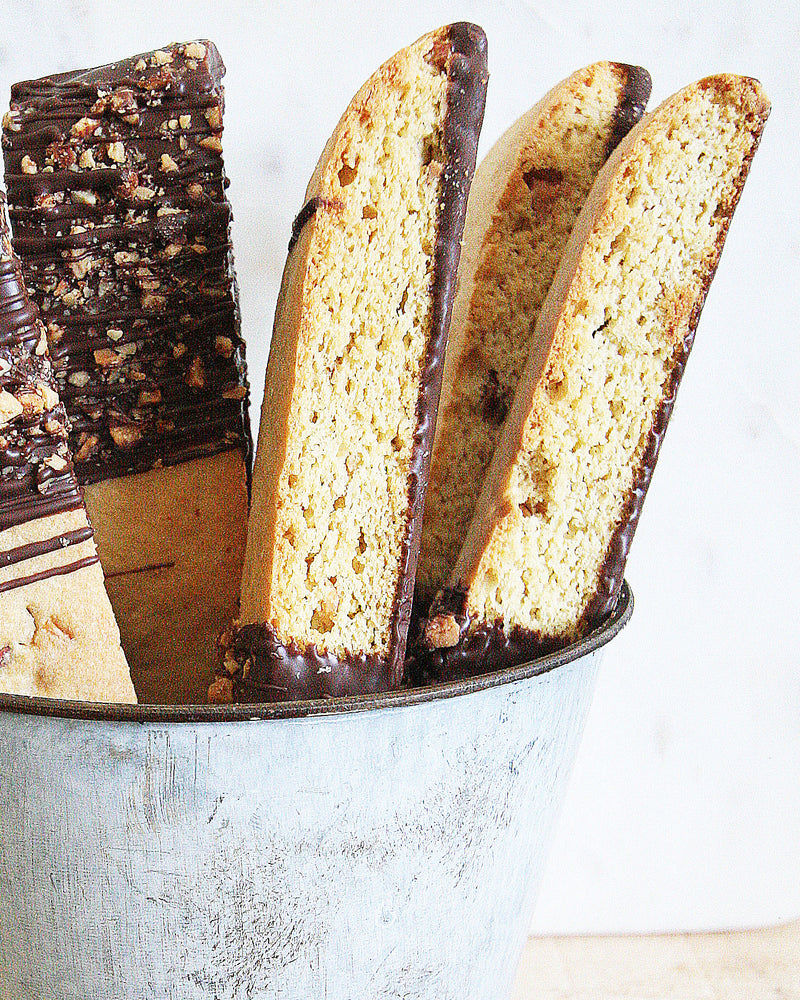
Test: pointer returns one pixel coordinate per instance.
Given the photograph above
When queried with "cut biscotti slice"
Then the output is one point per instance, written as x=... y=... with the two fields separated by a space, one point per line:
x=353 y=382
x=58 y=637
x=523 y=203
x=543 y=560
x=117 y=191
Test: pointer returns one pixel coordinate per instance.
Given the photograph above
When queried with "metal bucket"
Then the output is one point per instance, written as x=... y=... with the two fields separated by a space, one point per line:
x=380 y=847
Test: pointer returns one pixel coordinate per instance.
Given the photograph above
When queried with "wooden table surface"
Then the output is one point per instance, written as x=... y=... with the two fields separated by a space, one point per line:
x=760 y=964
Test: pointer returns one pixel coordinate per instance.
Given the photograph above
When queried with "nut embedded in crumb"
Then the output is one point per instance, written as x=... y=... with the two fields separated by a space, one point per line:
x=442 y=631
x=220 y=691
x=125 y=436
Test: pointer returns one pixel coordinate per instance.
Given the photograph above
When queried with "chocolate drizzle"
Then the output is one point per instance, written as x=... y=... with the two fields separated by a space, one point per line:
x=117 y=184
x=22 y=553
x=261 y=666
x=47 y=574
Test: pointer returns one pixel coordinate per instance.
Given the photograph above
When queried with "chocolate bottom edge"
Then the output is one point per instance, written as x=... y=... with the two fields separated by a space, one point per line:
x=258 y=667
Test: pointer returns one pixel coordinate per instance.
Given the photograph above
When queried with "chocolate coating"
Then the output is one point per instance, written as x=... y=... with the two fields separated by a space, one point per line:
x=269 y=670
x=117 y=183
x=632 y=104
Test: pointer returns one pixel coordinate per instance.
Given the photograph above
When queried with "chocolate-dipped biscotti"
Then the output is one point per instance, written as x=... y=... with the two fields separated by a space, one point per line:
x=543 y=560
x=353 y=383
x=58 y=637
x=523 y=203
x=118 y=207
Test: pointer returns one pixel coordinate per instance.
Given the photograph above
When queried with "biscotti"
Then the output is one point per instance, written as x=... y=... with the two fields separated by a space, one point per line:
x=523 y=203
x=58 y=637
x=543 y=560
x=353 y=382
x=119 y=213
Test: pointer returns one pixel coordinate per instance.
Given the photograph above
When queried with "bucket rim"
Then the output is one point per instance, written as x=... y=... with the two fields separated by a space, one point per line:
x=104 y=712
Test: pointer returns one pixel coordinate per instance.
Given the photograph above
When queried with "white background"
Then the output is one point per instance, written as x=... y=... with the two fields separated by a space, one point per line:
x=684 y=808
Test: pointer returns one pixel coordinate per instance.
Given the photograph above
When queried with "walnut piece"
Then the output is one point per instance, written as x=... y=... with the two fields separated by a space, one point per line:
x=442 y=631
x=10 y=407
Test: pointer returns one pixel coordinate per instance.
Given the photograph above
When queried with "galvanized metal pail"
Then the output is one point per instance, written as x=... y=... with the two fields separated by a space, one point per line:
x=381 y=847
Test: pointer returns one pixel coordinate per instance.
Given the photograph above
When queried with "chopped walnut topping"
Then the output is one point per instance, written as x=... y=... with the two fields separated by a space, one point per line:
x=86 y=160
x=10 y=407
x=56 y=462
x=79 y=379
x=152 y=301
x=195 y=50
x=131 y=119
x=123 y=102
x=142 y=193
x=114 y=334
x=149 y=397
x=10 y=123
x=106 y=358
x=80 y=268
x=195 y=191
x=125 y=435
x=223 y=346
x=129 y=184
x=49 y=395
x=185 y=121
x=159 y=80
x=45 y=200
x=126 y=257
x=83 y=197
x=84 y=127
x=234 y=392
x=195 y=374
x=211 y=142
x=116 y=152
x=213 y=117
x=54 y=332
x=40 y=399
x=172 y=250
x=28 y=166
x=41 y=346
x=161 y=58
x=140 y=66
x=61 y=154
x=168 y=165
x=88 y=445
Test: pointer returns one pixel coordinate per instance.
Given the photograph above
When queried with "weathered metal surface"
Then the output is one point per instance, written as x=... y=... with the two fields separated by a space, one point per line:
x=374 y=854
